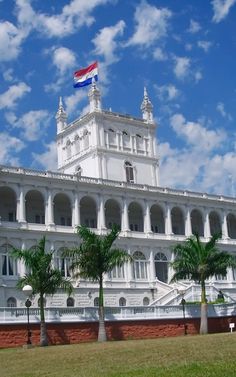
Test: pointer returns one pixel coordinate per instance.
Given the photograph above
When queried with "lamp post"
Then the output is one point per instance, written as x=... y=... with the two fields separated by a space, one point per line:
x=183 y=303
x=27 y=289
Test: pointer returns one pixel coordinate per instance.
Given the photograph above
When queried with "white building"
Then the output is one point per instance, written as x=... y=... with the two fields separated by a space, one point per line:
x=108 y=169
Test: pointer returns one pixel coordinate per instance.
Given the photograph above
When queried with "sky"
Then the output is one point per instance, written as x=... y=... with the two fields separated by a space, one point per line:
x=183 y=52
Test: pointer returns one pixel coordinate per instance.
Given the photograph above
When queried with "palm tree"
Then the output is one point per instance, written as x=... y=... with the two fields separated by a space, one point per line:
x=43 y=278
x=199 y=261
x=95 y=257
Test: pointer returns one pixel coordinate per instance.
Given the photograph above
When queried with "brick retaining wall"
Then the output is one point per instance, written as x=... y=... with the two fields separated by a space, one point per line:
x=13 y=335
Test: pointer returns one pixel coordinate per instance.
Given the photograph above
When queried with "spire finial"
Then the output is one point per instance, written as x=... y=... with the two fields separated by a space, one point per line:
x=147 y=107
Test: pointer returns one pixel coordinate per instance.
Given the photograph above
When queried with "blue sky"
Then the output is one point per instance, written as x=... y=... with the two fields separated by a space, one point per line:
x=184 y=52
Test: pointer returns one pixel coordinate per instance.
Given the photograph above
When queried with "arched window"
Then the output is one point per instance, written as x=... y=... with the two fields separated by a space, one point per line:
x=8 y=265
x=161 y=267
x=197 y=223
x=157 y=219
x=70 y=302
x=146 y=301
x=135 y=217
x=88 y=212
x=96 y=301
x=34 y=206
x=126 y=140
x=78 y=171
x=111 y=137
x=63 y=264
x=139 y=266
x=122 y=301
x=129 y=171
x=112 y=213
x=231 y=224
x=62 y=210
x=11 y=302
x=68 y=149
x=7 y=204
x=86 y=139
x=177 y=220
x=215 y=223
x=77 y=144
x=139 y=141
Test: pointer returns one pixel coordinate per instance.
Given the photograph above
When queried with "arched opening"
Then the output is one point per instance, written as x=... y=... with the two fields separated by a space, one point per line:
x=8 y=265
x=96 y=301
x=7 y=204
x=88 y=212
x=122 y=301
x=146 y=301
x=139 y=143
x=139 y=266
x=62 y=210
x=77 y=144
x=135 y=217
x=197 y=223
x=215 y=223
x=34 y=206
x=111 y=137
x=161 y=267
x=112 y=213
x=231 y=224
x=126 y=140
x=70 y=302
x=62 y=263
x=68 y=149
x=157 y=219
x=86 y=139
x=177 y=220
x=11 y=302
x=129 y=172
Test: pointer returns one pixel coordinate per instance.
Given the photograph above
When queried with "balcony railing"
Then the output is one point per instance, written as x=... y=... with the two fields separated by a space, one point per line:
x=88 y=314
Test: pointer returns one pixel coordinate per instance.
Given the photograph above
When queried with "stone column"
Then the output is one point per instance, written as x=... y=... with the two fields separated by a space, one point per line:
x=101 y=213
x=188 y=225
x=207 y=232
x=224 y=226
x=49 y=209
x=76 y=211
x=21 y=206
x=168 y=225
x=125 y=217
x=147 y=228
x=152 y=267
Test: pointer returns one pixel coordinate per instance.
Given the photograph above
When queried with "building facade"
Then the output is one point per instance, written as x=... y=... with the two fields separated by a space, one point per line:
x=108 y=173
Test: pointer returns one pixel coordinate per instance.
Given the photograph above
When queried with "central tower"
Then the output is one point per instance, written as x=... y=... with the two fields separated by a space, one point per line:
x=108 y=145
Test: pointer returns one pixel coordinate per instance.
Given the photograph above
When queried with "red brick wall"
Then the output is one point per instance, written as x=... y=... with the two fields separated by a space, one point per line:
x=67 y=333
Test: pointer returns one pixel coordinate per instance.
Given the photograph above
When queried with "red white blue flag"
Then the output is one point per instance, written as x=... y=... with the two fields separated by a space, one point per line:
x=84 y=76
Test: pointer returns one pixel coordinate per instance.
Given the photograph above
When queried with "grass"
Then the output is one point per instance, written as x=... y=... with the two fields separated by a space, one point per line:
x=191 y=356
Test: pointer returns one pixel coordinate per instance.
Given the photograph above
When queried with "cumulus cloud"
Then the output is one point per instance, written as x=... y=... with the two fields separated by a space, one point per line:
x=167 y=92
x=32 y=124
x=10 y=146
x=72 y=101
x=151 y=24
x=63 y=59
x=105 y=41
x=221 y=9
x=48 y=159
x=221 y=109
x=11 y=39
x=194 y=27
x=196 y=135
x=13 y=94
x=205 y=45
x=159 y=54
x=181 y=67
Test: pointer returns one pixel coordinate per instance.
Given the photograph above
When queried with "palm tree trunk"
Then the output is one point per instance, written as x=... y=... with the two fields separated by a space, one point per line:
x=102 y=336
x=43 y=329
x=204 y=321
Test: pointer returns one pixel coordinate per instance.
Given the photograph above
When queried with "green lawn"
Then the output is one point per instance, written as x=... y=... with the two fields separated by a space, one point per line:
x=190 y=356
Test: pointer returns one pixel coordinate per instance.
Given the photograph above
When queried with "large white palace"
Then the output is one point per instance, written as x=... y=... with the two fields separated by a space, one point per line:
x=108 y=172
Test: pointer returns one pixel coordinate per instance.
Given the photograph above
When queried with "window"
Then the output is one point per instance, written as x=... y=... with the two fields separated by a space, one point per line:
x=129 y=171
x=122 y=301
x=161 y=267
x=11 y=302
x=96 y=301
x=146 y=301
x=139 y=266
x=86 y=139
x=70 y=302
x=117 y=273
x=63 y=264
x=8 y=265
x=68 y=149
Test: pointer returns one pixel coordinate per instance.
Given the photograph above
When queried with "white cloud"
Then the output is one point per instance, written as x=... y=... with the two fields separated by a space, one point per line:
x=205 y=45
x=11 y=39
x=167 y=92
x=105 y=43
x=13 y=94
x=196 y=135
x=221 y=9
x=159 y=54
x=72 y=17
x=8 y=75
x=64 y=59
x=32 y=124
x=151 y=24
x=194 y=27
x=198 y=76
x=72 y=101
x=221 y=109
x=48 y=159
x=10 y=146
x=182 y=67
